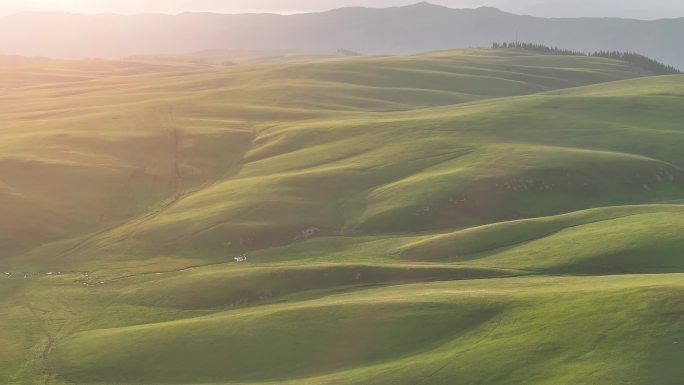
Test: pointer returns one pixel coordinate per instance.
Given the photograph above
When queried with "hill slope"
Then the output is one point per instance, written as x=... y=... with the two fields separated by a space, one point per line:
x=485 y=216
x=112 y=158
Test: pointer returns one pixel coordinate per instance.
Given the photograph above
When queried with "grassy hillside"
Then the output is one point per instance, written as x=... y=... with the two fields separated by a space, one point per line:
x=480 y=216
x=537 y=330
x=17 y=72
x=198 y=134
x=229 y=58
x=467 y=166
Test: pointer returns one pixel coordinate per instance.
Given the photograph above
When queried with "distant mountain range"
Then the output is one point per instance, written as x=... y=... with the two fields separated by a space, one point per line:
x=415 y=28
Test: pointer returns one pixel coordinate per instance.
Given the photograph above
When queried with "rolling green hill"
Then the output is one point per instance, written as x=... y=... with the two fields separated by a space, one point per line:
x=274 y=128
x=475 y=216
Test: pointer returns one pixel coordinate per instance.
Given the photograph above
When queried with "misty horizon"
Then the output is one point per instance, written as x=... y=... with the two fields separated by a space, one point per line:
x=661 y=9
x=397 y=30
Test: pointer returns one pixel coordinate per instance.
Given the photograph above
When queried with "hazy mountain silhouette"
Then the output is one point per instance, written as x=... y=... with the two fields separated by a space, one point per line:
x=415 y=28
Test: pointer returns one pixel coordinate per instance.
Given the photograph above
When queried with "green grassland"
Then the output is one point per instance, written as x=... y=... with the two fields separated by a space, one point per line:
x=455 y=217
x=228 y=58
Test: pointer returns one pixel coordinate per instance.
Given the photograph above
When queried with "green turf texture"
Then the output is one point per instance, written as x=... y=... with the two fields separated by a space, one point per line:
x=455 y=217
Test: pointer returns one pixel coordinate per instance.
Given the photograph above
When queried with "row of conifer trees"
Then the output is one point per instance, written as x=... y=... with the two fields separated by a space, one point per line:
x=629 y=57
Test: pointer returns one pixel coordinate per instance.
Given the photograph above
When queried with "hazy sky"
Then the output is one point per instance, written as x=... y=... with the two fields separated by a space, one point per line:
x=643 y=9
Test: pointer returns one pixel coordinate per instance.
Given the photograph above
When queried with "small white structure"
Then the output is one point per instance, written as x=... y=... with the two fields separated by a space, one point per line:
x=241 y=258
